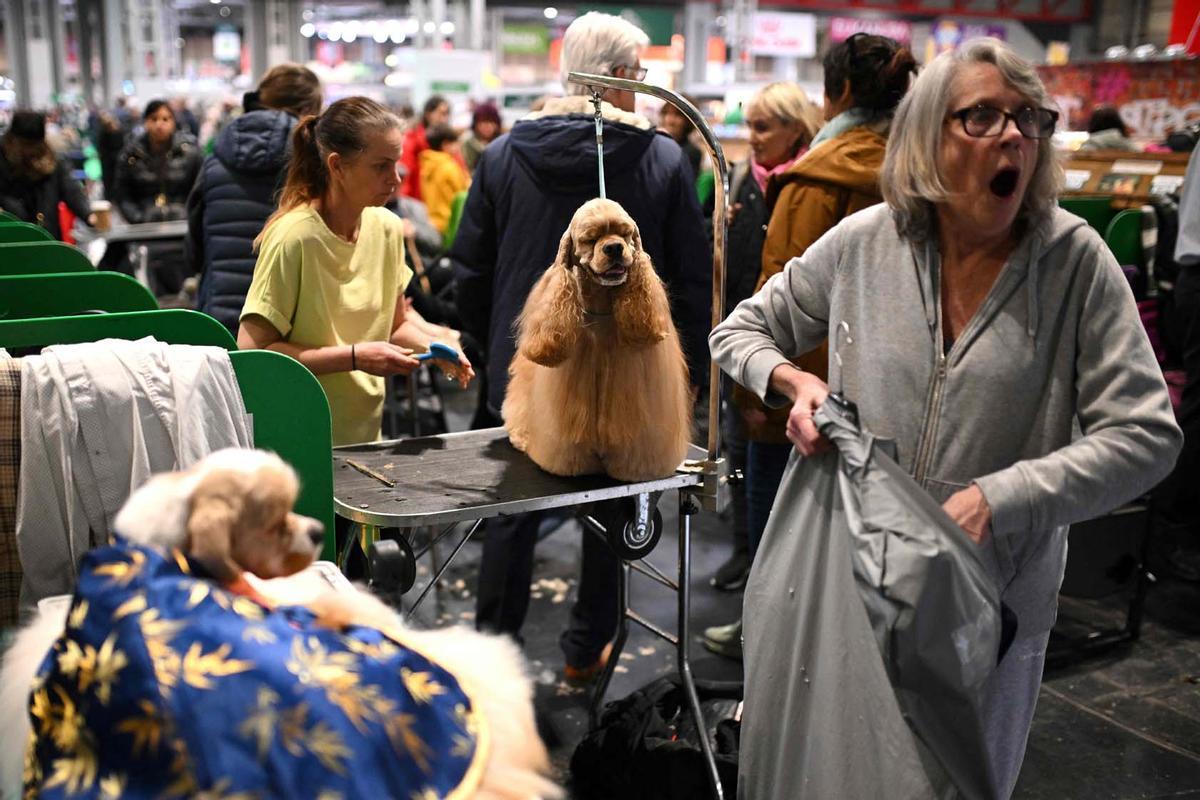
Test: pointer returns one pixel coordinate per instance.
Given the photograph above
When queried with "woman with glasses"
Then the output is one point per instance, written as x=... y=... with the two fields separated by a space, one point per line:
x=995 y=340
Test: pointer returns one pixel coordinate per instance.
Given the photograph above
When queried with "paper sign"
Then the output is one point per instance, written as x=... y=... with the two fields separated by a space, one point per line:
x=779 y=34
x=1131 y=167
x=1165 y=184
x=1076 y=179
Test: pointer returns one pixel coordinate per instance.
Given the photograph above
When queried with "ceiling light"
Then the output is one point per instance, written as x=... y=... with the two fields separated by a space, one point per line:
x=392 y=60
x=550 y=12
x=447 y=28
x=307 y=30
x=429 y=27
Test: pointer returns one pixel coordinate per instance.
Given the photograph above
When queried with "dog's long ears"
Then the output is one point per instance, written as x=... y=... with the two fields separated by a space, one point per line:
x=642 y=312
x=210 y=527
x=566 y=250
x=552 y=318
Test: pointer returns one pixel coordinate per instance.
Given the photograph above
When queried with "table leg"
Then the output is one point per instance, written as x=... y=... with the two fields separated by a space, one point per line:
x=687 y=507
x=617 y=646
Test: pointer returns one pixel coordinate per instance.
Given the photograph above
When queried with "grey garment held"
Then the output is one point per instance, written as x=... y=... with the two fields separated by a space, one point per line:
x=871 y=629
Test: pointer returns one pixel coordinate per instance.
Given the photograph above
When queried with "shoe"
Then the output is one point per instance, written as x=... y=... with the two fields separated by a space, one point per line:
x=725 y=640
x=582 y=676
x=731 y=576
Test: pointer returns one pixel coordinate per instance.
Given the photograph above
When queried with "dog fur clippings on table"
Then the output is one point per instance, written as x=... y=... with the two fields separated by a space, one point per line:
x=232 y=513
x=599 y=383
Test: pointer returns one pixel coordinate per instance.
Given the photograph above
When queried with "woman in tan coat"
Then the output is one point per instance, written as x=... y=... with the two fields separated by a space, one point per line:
x=865 y=77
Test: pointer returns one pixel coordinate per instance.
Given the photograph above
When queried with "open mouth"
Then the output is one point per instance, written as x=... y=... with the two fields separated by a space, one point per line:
x=613 y=276
x=1005 y=182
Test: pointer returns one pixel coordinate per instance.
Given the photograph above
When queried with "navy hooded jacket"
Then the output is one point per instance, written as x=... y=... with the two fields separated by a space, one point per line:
x=527 y=186
x=230 y=203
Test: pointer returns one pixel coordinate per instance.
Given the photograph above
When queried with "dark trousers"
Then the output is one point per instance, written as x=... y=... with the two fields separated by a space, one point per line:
x=765 y=464
x=506 y=572
x=1181 y=501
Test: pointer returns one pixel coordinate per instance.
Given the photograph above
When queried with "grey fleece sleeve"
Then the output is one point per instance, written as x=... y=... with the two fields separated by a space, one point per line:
x=1130 y=438
x=789 y=316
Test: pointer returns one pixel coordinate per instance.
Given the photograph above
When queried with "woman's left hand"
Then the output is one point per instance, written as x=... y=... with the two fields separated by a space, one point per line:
x=463 y=372
x=968 y=507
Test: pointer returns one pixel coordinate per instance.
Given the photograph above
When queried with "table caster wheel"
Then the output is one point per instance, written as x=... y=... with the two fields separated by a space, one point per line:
x=392 y=566
x=635 y=533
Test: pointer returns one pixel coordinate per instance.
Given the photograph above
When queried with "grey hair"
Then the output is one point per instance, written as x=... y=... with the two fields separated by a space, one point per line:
x=911 y=180
x=598 y=42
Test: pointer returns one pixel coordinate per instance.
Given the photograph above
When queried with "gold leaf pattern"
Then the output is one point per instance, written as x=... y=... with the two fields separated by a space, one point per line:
x=463 y=746
x=421 y=685
x=76 y=772
x=245 y=607
x=75 y=661
x=112 y=786
x=428 y=793
x=291 y=729
x=259 y=635
x=134 y=605
x=220 y=791
x=146 y=730
x=78 y=615
x=260 y=724
x=327 y=746
x=109 y=662
x=399 y=728
x=121 y=572
x=181 y=561
x=67 y=728
x=199 y=668
x=196 y=595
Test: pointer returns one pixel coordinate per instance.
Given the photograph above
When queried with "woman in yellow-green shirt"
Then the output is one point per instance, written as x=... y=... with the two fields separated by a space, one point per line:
x=328 y=286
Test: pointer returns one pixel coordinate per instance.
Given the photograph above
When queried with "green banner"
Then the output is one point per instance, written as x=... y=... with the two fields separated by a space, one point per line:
x=450 y=87
x=657 y=22
x=525 y=40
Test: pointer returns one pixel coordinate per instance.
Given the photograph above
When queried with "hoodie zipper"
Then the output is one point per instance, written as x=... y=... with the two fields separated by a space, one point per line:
x=925 y=443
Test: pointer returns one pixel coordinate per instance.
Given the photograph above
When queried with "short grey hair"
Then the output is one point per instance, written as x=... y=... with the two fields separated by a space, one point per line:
x=598 y=42
x=911 y=180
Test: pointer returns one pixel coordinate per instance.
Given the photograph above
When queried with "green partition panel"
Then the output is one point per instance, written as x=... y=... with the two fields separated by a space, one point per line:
x=1124 y=237
x=291 y=417
x=35 y=258
x=6 y=217
x=456 y=210
x=24 y=232
x=705 y=186
x=63 y=293
x=288 y=406
x=172 y=325
x=1096 y=211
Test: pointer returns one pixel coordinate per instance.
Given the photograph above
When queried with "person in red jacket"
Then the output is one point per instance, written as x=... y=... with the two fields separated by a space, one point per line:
x=435 y=112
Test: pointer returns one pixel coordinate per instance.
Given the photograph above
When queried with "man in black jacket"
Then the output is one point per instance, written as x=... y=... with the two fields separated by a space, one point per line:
x=526 y=187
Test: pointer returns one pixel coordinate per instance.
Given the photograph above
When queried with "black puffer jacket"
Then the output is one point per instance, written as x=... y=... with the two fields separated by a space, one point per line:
x=231 y=201
x=528 y=184
x=37 y=200
x=744 y=236
x=154 y=187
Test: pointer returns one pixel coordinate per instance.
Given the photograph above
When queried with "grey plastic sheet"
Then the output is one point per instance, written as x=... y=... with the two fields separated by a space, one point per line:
x=870 y=627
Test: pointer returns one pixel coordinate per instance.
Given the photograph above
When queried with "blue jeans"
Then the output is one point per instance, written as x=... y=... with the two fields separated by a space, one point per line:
x=765 y=464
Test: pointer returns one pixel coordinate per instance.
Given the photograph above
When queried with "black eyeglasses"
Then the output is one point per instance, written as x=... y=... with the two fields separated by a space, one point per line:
x=630 y=73
x=983 y=121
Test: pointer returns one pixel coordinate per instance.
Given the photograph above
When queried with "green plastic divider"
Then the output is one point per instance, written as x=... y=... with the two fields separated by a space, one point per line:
x=1096 y=211
x=24 y=232
x=1124 y=237
x=36 y=258
x=456 y=211
x=65 y=293
x=6 y=217
x=288 y=406
x=291 y=417
x=705 y=186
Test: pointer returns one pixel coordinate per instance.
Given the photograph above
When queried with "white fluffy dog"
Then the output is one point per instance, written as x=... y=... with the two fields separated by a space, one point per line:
x=233 y=513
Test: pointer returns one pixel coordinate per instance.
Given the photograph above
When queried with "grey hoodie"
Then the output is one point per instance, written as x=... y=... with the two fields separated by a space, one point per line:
x=1057 y=348
x=1050 y=400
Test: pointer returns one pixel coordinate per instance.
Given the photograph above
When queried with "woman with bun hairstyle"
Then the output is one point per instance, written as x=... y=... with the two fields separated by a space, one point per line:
x=865 y=78
x=328 y=286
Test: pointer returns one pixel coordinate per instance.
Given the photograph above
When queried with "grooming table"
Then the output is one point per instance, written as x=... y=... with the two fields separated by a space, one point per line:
x=457 y=477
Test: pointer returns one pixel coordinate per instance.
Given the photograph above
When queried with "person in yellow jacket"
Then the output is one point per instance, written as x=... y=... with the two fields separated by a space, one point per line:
x=442 y=174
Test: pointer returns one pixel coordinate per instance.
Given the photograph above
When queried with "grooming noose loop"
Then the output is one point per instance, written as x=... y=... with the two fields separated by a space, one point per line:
x=599 y=141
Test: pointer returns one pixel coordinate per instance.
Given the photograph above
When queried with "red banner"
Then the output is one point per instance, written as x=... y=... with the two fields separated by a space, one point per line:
x=1185 y=25
x=1154 y=98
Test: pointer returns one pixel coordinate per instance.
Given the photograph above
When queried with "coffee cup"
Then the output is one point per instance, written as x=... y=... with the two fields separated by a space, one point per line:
x=102 y=211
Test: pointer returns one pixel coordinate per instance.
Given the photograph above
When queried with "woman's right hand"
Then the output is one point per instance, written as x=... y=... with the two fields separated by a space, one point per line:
x=384 y=359
x=809 y=392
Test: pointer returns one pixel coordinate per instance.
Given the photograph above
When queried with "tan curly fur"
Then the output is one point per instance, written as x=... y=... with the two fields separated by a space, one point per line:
x=599 y=383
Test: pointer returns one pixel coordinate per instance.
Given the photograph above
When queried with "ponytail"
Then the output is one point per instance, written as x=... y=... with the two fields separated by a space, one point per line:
x=343 y=128
x=877 y=69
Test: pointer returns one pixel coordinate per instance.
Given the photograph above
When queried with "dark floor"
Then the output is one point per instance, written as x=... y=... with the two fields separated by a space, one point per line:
x=1122 y=725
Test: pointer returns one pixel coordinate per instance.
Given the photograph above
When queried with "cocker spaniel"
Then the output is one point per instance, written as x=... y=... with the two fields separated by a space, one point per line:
x=599 y=383
x=232 y=514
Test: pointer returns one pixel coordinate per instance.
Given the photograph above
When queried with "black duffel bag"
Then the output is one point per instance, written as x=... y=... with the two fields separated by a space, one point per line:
x=646 y=746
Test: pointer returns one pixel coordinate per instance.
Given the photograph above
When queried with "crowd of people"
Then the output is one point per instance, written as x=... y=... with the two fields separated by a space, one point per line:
x=995 y=337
